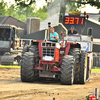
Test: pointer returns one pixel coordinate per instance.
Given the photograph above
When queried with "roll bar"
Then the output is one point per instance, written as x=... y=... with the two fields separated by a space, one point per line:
x=55 y=24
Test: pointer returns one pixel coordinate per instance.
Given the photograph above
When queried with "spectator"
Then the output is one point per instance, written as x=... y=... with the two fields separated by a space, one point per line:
x=72 y=31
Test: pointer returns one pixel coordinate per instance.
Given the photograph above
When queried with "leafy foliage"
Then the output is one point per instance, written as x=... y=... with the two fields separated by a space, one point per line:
x=25 y=3
x=79 y=2
x=72 y=6
x=3 y=11
x=22 y=12
x=91 y=2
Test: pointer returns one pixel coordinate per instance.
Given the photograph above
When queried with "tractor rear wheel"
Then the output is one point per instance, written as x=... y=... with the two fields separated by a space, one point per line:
x=83 y=67
x=67 y=70
x=27 y=72
x=88 y=71
x=76 y=53
x=25 y=49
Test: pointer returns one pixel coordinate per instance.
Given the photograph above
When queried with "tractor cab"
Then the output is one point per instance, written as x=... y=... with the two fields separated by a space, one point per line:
x=7 y=38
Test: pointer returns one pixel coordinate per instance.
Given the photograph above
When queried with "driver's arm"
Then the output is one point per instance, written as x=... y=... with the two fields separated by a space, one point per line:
x=56 y=37
x=76 y=34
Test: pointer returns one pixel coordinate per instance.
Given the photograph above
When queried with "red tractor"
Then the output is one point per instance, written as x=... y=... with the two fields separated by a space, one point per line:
x=47 y=58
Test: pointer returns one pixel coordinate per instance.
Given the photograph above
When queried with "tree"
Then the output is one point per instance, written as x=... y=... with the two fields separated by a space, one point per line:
x=80 y=2
x=77 y=4
x=25 y=3
x=3 y=10
x=22 y=12
x=41 y=13
x=28 y=8
x=91 y=2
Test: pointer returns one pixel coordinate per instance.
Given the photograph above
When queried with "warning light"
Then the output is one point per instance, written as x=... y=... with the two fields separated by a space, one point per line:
x=87 y=16
x=93 y=97
x=61 y=15
x=84 y=12
x=34 y=40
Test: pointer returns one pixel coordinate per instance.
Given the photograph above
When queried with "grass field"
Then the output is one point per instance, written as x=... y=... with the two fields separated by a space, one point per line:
x=93 y=69
x=9 y=66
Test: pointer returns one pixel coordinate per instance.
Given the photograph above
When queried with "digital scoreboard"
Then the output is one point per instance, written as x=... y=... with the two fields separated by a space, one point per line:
x=74 y=20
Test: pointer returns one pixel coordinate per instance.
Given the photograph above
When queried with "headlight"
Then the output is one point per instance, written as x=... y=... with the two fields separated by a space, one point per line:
x=58 y=45
x=50 y=58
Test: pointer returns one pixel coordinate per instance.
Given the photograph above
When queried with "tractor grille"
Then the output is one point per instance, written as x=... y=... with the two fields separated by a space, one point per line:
x=48 y=52
x=44 y=44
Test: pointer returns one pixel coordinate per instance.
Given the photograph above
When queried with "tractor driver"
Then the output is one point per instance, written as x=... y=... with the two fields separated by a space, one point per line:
x=72 y=31
x=53 y=35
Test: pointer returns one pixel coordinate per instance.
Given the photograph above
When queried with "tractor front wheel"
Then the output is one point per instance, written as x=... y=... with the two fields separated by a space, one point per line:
x=67 y=70
x=34 y=49
x=27 y=72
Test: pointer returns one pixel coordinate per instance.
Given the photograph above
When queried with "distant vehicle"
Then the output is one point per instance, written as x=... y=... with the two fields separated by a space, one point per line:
x=9 y=45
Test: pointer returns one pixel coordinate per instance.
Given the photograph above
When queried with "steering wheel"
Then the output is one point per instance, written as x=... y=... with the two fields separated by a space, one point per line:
x=54 y=40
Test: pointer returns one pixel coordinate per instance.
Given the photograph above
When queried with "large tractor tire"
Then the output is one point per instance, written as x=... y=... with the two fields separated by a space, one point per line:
x=67 y=70
x=25 y=49
x=76 y=53
x=27 y=72
x=18 y=59
x=83 y=67
x=34 y=49
x=88 y=72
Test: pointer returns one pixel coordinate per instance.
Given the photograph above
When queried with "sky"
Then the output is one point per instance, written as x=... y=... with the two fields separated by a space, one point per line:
x=88 y=8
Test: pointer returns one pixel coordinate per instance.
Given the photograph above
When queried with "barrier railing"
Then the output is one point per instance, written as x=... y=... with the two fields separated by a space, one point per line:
x=96 y=61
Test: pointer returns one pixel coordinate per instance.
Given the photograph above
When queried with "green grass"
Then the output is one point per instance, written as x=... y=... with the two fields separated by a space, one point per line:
x=95 y=70
x=9 y=66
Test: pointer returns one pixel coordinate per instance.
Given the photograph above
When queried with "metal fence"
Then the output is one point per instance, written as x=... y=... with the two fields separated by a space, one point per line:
x=96 y=61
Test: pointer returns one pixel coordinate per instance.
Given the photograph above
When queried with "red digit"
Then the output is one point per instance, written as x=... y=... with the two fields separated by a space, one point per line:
x=66 y=20
x=77 y=22
x=72 y=20
x=82 y=20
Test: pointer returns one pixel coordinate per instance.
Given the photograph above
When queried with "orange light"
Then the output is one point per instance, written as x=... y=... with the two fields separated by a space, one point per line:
x=20 y=47
x=84 y=12
x=75 y=43
x=34 y=40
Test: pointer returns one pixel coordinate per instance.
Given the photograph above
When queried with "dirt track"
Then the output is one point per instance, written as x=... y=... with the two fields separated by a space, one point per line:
x=11 y=88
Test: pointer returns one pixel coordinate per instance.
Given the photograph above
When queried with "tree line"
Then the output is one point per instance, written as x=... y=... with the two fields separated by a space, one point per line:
x=22 y=12
x=22 y=9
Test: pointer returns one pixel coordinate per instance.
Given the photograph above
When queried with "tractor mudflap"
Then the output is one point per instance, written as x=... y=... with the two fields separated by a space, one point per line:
x=8 y=59
x=46 y=74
